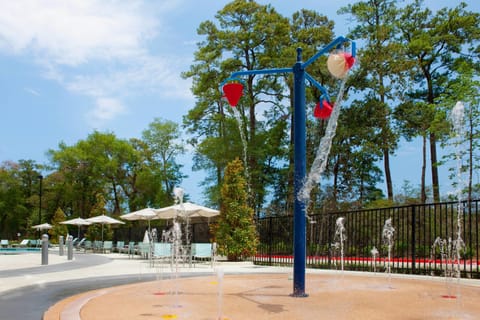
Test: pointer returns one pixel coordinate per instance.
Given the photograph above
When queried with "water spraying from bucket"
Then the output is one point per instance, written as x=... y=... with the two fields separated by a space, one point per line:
x=238 y=118
x=320 y=162
x=233 y=91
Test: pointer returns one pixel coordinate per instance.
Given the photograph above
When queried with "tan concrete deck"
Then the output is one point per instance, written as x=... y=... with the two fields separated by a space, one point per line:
x=247 y=292
x=266 y=296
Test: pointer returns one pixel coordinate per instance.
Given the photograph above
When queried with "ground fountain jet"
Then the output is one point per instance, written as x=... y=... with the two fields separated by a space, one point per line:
x=340 y=235
x=387 y=235
x=451 y=249
x=447 y=250
x=174 y=236
x=339 y=67
x=458 y=121
x=374 y=253
x=178 y=194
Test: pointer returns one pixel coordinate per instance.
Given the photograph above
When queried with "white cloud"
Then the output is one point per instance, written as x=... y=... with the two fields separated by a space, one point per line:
x=74 y=32
x=96 y=48
x=105 y=110
x=146 y=74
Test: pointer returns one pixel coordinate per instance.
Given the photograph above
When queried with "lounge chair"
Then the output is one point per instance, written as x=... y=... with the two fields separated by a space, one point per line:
x=87 y=245
x=97 y=246
x=144 y=250
x=4 y=243
x=24 y=243
x=162 y=251
x=107 y=246
x=74 y=241
x=202 y=251
x=119 y=246
x=80 y=243
x=129 y=249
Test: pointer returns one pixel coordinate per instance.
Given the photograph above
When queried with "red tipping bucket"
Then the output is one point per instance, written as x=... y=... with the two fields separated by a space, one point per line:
x=323 y=111
x=233 y=92
x=349 y=60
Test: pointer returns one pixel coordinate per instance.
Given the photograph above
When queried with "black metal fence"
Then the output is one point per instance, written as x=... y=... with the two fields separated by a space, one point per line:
x=425 y=240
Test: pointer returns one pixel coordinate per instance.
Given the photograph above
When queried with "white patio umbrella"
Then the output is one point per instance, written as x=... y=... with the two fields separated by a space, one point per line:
x=186 y=210
x=77 y=222
x=103 y=219
x=143 y=214
x=43 y=226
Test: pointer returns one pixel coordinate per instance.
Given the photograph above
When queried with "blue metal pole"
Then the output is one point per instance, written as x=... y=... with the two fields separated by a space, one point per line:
x=300 y=168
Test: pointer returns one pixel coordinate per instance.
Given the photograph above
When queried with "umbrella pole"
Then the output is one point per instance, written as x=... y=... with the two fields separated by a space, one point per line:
x=187 y=232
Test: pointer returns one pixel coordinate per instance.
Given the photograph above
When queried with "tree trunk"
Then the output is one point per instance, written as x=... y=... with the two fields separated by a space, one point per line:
x=470 y=157
x=433 y=161
x=388 y=174
x=423 y=193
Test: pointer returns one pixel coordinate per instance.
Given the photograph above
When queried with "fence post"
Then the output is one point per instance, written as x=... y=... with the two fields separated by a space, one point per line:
x=270 y=240
x=413 y=239
x=330 y=240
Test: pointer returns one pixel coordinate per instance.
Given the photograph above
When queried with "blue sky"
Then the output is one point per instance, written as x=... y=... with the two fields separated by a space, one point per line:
x=69 y=67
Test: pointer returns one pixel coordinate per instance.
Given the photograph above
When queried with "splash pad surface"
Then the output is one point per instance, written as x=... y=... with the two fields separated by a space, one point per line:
x=266 y=296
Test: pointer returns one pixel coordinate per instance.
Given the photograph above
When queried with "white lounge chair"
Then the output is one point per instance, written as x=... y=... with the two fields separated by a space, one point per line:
x=24 y=243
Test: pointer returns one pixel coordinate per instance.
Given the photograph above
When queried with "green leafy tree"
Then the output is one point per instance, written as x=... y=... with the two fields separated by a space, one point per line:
x=248 y=36
x=140 y=181
x=163 y=139
x=380 y=60
x=20 y=198
x=464 y=88
x=13 y=202
x=57 y=228
x=416 y=119
x=309 y=30
x=235 y=231
x=353 y=159
x=129 y=173
x=433 y=43
x=97 y=231
x=79 y=176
